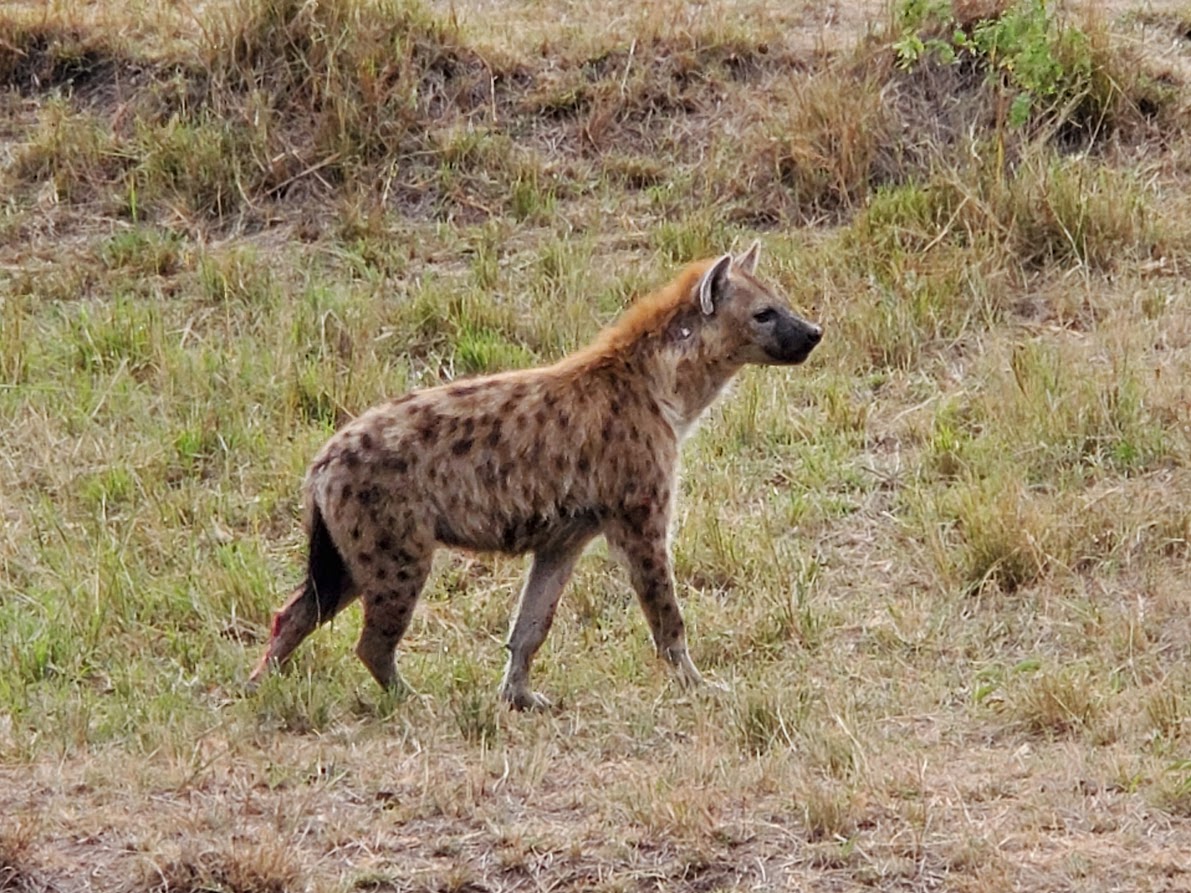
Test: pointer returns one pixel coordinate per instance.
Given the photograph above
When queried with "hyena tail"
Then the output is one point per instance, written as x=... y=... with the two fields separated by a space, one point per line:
x=327 y=588
x=328 y=581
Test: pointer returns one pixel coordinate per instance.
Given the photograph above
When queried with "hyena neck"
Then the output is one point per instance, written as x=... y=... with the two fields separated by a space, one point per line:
x=684 y=388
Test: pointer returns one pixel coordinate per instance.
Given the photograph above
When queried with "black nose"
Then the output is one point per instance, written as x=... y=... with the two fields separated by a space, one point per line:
x=814 y=334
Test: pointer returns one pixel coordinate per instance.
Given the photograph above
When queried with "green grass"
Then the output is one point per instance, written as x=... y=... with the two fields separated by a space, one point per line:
x=940 y=570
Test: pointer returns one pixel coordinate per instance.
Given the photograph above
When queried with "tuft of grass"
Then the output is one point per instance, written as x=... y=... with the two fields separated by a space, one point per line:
x=16 y=871
x=833 y=145
x=1173 y=790
x=144 y=251
x=251 y=868
x=1004 y=534
x=370 y=71
x=761 y=724
x=829 y=809
x=1057 y=702
x=475 y=707
x=72 y=155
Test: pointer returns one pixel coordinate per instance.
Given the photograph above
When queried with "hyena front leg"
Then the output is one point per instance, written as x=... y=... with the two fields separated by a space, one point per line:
x=647 y=556
x=535 y=613
x=389 y=599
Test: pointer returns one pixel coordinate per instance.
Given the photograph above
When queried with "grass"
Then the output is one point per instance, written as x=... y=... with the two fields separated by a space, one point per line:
x=939 y=570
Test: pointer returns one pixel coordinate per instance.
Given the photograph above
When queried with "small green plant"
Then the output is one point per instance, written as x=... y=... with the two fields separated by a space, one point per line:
x=912 y=41
x=1039 y=58
x=143 y=250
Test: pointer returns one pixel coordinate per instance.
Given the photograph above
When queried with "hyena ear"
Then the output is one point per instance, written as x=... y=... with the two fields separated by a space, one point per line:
x=713 y=284
x=748 y=260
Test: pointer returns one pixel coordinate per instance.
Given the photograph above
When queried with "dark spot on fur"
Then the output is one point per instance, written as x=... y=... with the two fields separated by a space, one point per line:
x=396 y=464
x=403 y=557
x=385 y=543
x=464 y=390
x=636 y=516
x=648 y=565
x=584 y=464
x=493 y=437
x=380 y=573
x=540 y=416
x=550 y=399
x=444 y=534
x=519 y=391
x=346 y=492
x=462 y=447
x=365 y=558
x=560 y=463
x=608 y=430
x=356 y=532
x=351 y=458
x=427 y=426
x=509 y=537
x=615 y=405
x=365 y=440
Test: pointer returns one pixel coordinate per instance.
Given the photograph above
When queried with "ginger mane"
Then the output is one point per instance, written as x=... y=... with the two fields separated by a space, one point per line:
x=646 y=316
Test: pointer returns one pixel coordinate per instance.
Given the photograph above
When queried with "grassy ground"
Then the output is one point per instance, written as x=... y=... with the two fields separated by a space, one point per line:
x=942 y=569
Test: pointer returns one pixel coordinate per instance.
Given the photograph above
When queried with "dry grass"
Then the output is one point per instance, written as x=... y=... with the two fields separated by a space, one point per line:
x=941 y=570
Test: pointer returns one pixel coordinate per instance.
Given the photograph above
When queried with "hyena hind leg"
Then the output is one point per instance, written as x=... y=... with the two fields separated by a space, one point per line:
x=388 y=610
x=292 y=623
x=327 y=589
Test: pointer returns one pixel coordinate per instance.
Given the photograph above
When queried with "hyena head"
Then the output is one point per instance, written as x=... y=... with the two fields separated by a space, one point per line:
x=745 y=321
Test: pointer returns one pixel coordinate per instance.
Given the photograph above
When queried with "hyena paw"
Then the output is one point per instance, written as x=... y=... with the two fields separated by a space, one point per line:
x=684 y=668
x=524 y=699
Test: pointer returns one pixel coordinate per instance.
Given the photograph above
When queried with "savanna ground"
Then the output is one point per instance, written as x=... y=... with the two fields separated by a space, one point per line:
x=942 y=569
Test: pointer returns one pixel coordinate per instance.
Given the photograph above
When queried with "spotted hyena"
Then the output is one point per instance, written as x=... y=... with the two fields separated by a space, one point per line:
x=538 y=460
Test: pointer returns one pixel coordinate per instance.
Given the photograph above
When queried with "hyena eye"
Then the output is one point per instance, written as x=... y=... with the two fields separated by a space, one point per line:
x=766 y=315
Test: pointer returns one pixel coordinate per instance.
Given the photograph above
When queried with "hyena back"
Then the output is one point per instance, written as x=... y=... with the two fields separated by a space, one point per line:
x=540 y=460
